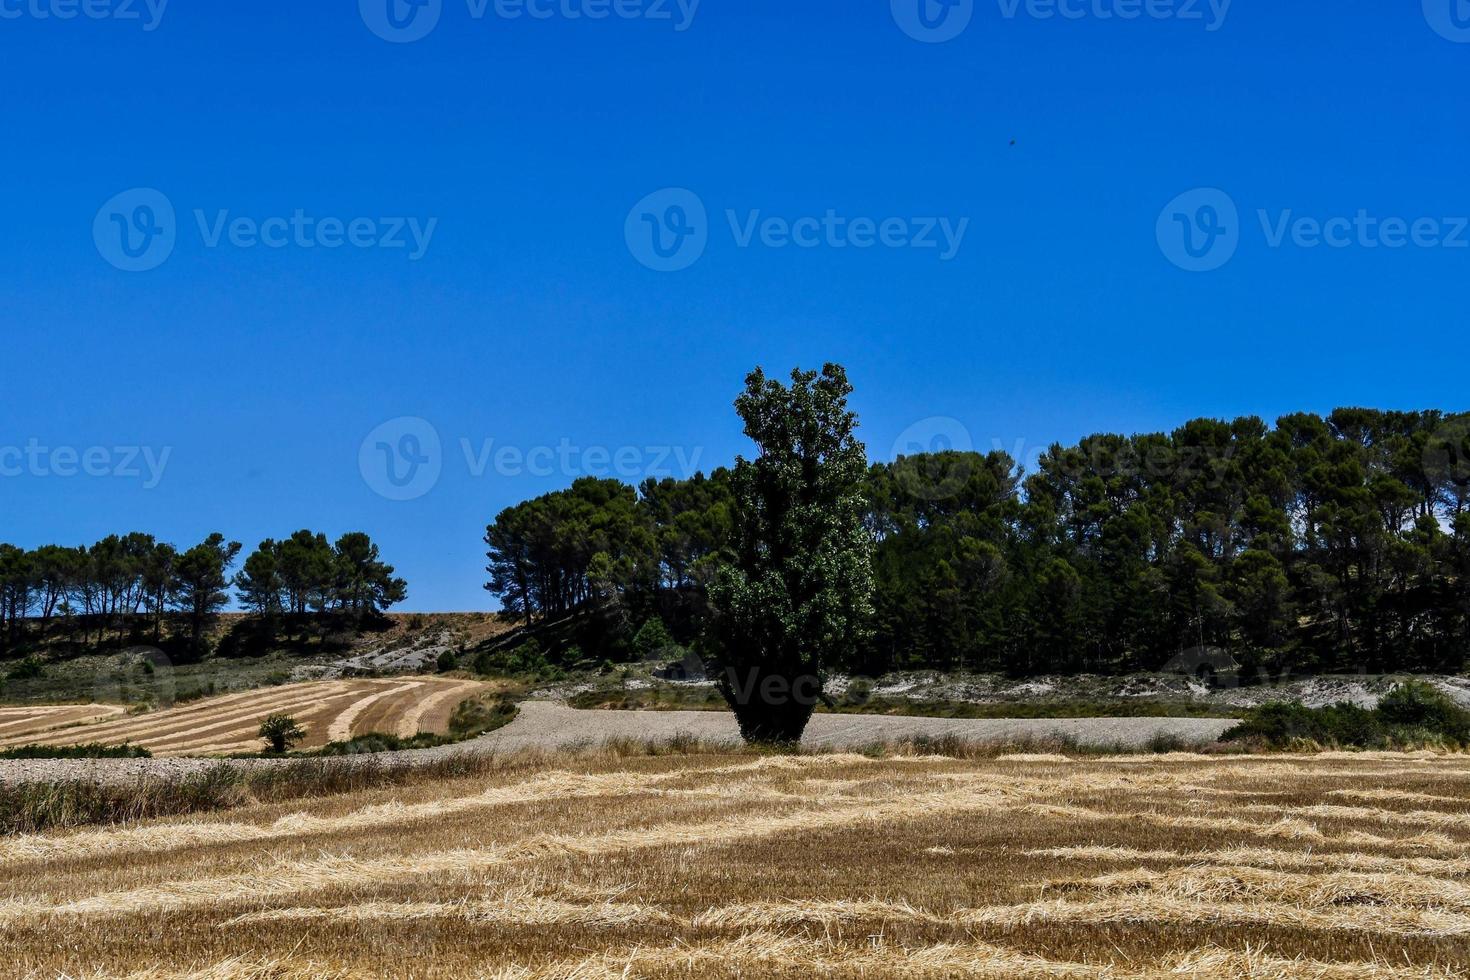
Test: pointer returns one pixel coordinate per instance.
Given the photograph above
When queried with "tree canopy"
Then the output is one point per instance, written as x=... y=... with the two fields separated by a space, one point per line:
x=1336 y=543
x=124 y=578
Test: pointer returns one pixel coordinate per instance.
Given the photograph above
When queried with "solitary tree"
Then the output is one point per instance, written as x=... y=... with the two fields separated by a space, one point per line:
x=280 y=732
x=795 y=595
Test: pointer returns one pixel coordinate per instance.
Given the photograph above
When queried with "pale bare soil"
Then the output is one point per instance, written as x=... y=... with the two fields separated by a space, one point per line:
x=1334 y=866
x=544 y=726
x=328 y=711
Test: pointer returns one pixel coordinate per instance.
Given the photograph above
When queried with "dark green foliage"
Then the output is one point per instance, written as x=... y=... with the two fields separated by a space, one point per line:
x=121 y=592
x=375 y=742
x=304 y=573
x=447 y=661
x=525 y=660
x=1412 y=714
x=793 y=597
x=77 y=752
x=654 y=641
x=280 y=732
x=28 y=669
x=1415 y=704
x=1282 y=723
x=201 y=577
x=1322 y=545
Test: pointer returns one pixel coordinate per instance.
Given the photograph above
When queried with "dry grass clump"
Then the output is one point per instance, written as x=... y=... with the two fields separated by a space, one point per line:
x=628 y=863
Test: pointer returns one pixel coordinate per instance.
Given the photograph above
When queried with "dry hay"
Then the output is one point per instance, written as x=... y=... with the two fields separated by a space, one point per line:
x=729 y=866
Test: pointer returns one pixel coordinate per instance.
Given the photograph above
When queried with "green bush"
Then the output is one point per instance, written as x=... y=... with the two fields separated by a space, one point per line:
x=653 y=641
x=447 y=662
x=281 y=732
x=29 y=669
x=526 y=659
x=375 y=742
x=1415 y=704
x=1412 y=714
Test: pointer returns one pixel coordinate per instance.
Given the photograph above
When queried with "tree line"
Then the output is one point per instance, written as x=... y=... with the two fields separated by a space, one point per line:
x=1317 y=544
x=133 y=581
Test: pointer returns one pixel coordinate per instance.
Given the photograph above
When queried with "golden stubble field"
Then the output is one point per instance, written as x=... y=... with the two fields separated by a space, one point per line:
x=742 y=866
x=328 y=711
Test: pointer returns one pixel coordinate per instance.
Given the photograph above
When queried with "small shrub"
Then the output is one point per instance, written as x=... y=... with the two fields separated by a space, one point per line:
x=447 y=662
x=29 y=669
x=653 y=640
x=415 y=622
x=1416 y=704
x=280 y=733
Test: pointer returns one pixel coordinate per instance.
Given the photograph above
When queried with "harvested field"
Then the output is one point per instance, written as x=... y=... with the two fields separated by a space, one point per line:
x=327 y=710
x=738 y=865
x=31 y=721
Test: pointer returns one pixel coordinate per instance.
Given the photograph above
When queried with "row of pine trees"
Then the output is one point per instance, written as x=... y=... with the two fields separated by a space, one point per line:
x=1319 y=544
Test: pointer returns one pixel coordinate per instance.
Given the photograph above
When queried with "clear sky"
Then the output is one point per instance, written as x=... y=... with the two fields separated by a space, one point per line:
x=172 y=374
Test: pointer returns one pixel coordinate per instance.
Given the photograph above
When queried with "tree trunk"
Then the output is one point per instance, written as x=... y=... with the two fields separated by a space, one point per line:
x=771 y=705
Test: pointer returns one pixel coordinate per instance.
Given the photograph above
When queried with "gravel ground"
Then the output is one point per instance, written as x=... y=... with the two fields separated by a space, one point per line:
x=544 y=725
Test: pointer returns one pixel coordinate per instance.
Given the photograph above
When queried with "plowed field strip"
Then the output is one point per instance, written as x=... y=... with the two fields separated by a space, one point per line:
x=200 y=713
x=49 y=720
x=379 y=704
x=163 y=729
x=244 y=726
x=433 y=713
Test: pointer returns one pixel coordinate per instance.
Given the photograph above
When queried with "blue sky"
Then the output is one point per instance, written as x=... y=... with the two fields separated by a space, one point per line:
x=263 y=380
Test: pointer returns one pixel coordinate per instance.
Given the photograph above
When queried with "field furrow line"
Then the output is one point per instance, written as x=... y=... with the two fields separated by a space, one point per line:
x=341 y=729
x=410 y=724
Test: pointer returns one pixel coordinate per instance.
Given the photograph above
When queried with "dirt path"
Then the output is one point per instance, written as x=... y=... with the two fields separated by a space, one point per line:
x=543 y=725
